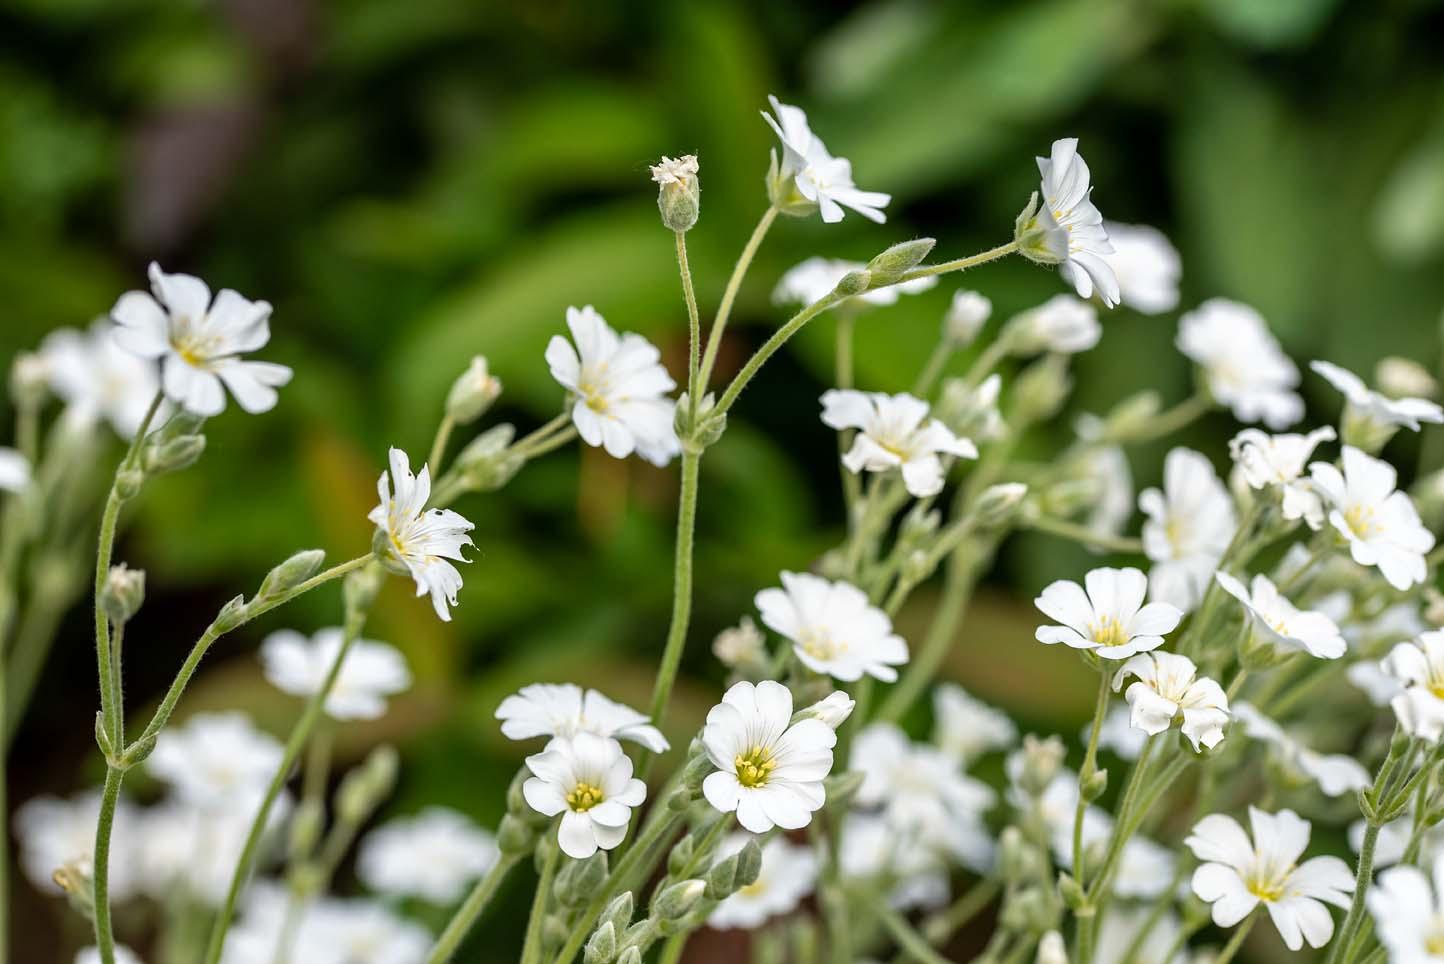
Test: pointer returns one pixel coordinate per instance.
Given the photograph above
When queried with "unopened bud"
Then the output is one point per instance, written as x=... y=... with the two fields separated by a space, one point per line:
x=602 y=946
x=998 y=503
x=515 y=836
x=631 y=955
x=832 y=710
x=972 y=412
x=29 y=380
x=359 y=589
x=472 y=393
x=722 y=879
x=1071 y=892
x=678 y=191
x=741 y=647
x=619 y=912
x=889 y=267
x=555 y=931
x=698 y=768
x=697 y=432
x=291 y=573
x=128 y=482
x=1063 y=324
x=967 y=314
x=364 y=788
x=1131 y=416
x=232 y=614
x=487 y=462
x=1041 y=762
x=681 y=855
x=853 y=283
x=674 y=902
x=749 y=863
x=123 y=593
x=1031 y=910
x=1093 y=785
x=1404 y=378
x=173 y=455
x=1041 y=389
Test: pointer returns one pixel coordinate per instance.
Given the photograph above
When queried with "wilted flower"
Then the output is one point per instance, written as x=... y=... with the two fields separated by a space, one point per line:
x=433 y=855
x=1190 y=523
x=418 y=538
x=820 y=178
x=788 y=874
x=1378 y=521
x=894 y=432
x=588 y=780
x=372 y=671
x=97 y=378
x=1146 y=265
x=1110 y=618
x=834 y=629
x=200 y=342
x=620 y=386
x=1243 y=366
x=1168 y=689
x=563 y=709
x=814 y=279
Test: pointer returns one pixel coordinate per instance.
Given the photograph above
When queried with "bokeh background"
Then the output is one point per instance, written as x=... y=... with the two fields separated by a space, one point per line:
x=413 y=183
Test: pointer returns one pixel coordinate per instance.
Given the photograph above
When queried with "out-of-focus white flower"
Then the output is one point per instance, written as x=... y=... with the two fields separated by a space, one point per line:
x=1119 y=927
x=1146 y=265
x=325 y=931
x=1063 y=324
x=123 y=955
x=1335 y=773
x=915 y=869
x=1394 y=838
x=1238 y=874
x=894 y=432
x=564 y=709
x=185 y=850
x=213 y=758
x=1409 y=913
x=1370 y=677
x=820 y=178
x=200 y=342
x=1051 y=949
x=920 y=789
x=1418 y=666
x=14 y=471
x=55 y=833
x=788 y=874
x=965 y=728
x=769 y=770
x=588 y=780
x=1378 y=521
x=620 y=386
x=1402 y=620
x=1072 y=224
x=1278 y=461
x=834 y=629
x=433 y=855
x=1145 y=868
x=1110 y=618
x=419 y=538
x=1168 y=687
x=1190 y=524
x=814 y=279
x=97 y=378
x=967 y=313
x=372 y=671
x=1117 y=733
x=1281 y=623
x=740 y=645
x=1107 y=467
x=1374 y=406
x=1401 y=377
x=1243 y=365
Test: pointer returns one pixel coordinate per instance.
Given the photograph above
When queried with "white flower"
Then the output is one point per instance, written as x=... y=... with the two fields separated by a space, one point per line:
x=1063 y=324
x=1394 y=838
x=894 y=432
x=620 y=385
x=192 y=851
x=1278 y=461
x=1409 y=913
x=419 y=538
x=200 y=342
x=967 y=313
x=788 y=874
x=1051 y=949
x=1243 y=365
x=1146 y=265
x=14 y=471
x=740 y=645
x=1283 y=624
x=1110 y=618
x=820 y=178
x=563 y=709
x=123 y=955
x=588 y=779
x=834 y=629
x=1082 y=243
x=921 y=790
x=1379 y=522
x=677 y=170
x=1120 y=925
x=916 y=869
x=433 y=855
x=814 y=279
x=214 y=757
x=1117 y=733
x=1106 y=466
x=326 y=931
x=372 y=671
x=1238 y=874
x=1335 y=773
x=1168 y=687
x=55 y=833
x=98 y=378
x=770 y=770
x=1190 y=524
x=1378 y=408
x=1370 y=678
x=1419 y=669
x=964 y=727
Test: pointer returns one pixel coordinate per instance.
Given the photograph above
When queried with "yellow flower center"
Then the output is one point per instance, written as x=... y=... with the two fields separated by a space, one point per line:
x=819 y=644
x=1434 y=941
x=1109 y=632
x=1360 y=520
x=1267 y=883
x=583 y=797
x=754 y=767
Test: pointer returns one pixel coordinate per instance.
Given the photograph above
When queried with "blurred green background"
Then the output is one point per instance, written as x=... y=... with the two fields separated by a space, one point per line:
x=413 y=183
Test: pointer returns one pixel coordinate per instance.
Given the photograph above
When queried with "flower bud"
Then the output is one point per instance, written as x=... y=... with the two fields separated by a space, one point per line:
x=1031 y=909
x=515 y=836
x=29 y=380
x=698 y=769
x=305 y=830
x=1051 y=949
x=359 y=589
x=472 y=393
x=741 y=647
x=832 y=710
x=998 y=503
x=674 y=902
x=128 y=482
x=232 y=614
x=123 y=593
x=749 y=863
x=1038 y=235
x=681 y=855
x=1133 y=415
x=722 y=879
x=1041 y=389
x=1018 y=860
x=619 y=912
x=102 y=738
x=699 y=432
x=631 y=955
x=172 y=455
x=1093 y=785
x=889 y=267
x=591 y=874
x=487 y=462
x=972 y=412
x=602 y=946
x=1041 y=762
x=138 y=751
x=678 y=191
x=853 y=283
x=1062 y=324
x=364 y=788
x=291 y=573
x=1404 y=378
x=966 y=316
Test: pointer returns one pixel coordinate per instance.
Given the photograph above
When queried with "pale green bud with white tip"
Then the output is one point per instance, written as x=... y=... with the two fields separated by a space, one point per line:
x=472 y=393
x=123 y=593
x=678 y=191
x=602 y=945
x=968 y=312
x=1404 y=378
x=1041 y=762
x=632 y=955
x=1041 y=389
x=832 y=710
x=889 y=267
x=999 y=503
x=678 y=899
x=291 y=573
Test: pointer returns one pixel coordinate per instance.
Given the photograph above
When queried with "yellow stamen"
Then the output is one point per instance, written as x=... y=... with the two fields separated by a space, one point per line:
x=583 y=797
x=754 y=767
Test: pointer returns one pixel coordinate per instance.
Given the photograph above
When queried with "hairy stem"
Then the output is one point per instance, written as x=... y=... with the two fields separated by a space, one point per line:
x=681 y=587
x=470 y=909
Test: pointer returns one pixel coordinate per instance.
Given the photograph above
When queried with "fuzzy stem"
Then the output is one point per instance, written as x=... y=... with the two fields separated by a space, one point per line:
x=694 y=324
x=681 y=587
x=531 y=947
x=470 y=909
x=960 y=264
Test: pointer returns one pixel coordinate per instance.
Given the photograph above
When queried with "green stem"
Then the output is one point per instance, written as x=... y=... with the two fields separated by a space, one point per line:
x=947 y=922
x=529 y=443
x=681 y=587
x=672 y=950
x=912 y=943
x=729 y=295
x=531 y=947
x=1090 y=766
x=110 y=796
x=1236 y=941
x=1123 y=826
x=843 y=376
x=470 y=909
x=694 y=323
x=960 y=264
x=936 y=362
x=958 y=586
x=1084 y=535
x=1171 y=420
x=438 y=444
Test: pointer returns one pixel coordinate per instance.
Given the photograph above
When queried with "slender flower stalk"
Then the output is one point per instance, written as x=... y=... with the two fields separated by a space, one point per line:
x=681 y=587
x=466 y=915
x=729 y=295
x=694 y=323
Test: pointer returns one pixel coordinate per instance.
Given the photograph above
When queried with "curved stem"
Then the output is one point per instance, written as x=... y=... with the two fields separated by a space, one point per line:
x=1084 y=535
x=470 y=909
x=769 y=348
x=681 y=588
x=936 y=362
x=1363 y=875
x=961 y=264
x=1171 y=420
x=729 y=295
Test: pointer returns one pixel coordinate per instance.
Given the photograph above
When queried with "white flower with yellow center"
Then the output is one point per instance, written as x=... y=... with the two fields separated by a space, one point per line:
x=1335 y=773
x=1109 y=618
x=588 y=780
x=1147 y=267
x=1075 y=226
x=1238 y=874
x=788 y=874
x=1243 y=366
x=214 y=757
x=1191 y=521
x=620 y=387
x=1062 y=324
x=564 y=709
x=14 y=471
x=814 y=279
x=1409 y=913
x=821 y=178
x=372 y=671
x=769 y=769
x=1418 y=668
x=1379 y=522
x=200 y=342
x=894 y=432
x=965 y=728
x=417 y=538
x=833 y=628
x=53 y=833
x=1169 y=689
x=433 y=855
x=1277 y=462
x=1282 y=624
x=97 y=378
